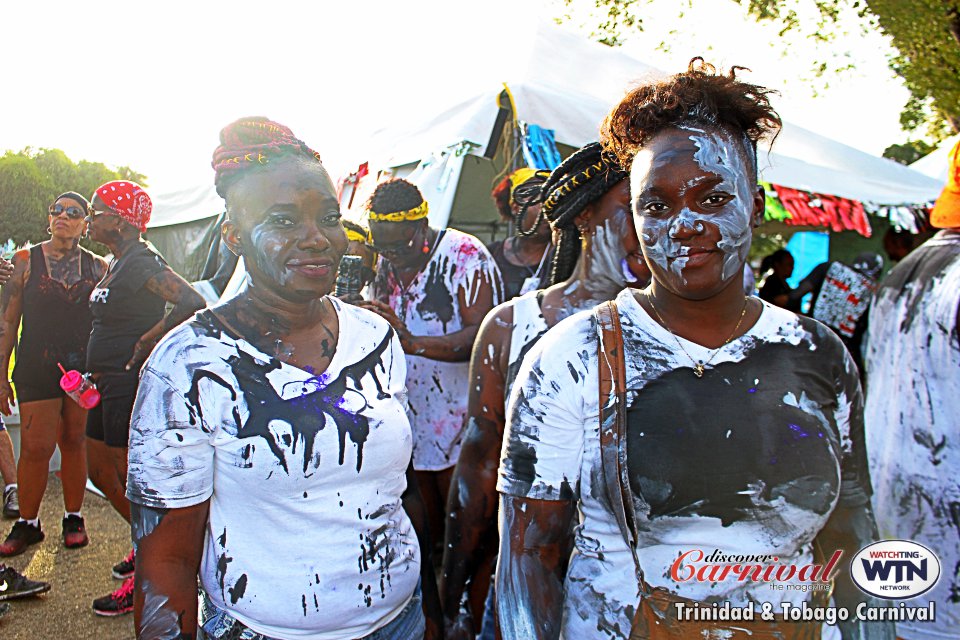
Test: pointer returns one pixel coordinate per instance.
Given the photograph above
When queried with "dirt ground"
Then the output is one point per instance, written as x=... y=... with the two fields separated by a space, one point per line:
x=77 y=576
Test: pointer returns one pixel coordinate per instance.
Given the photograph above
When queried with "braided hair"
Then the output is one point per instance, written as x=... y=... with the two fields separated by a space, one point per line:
x=578 y=182
x=250 y=144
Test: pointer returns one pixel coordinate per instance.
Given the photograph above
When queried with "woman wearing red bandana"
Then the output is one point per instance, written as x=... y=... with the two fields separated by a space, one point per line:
x=128 y=319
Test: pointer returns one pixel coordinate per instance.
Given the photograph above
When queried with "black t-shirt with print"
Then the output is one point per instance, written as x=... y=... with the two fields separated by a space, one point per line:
x=123 y=309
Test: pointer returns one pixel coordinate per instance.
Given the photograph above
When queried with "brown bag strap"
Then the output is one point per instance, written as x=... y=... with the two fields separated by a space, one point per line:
x=613 y=458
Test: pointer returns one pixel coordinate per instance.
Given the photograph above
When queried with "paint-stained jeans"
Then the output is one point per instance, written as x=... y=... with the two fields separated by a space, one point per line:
x=217 y=624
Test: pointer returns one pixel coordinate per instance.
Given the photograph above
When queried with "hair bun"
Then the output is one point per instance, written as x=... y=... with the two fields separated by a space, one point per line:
x=254 y=141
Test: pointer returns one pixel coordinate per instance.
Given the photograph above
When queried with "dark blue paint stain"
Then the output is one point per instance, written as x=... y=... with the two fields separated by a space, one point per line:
x=304 y=413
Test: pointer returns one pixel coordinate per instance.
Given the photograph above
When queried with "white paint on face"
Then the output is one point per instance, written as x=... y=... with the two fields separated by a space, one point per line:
x=607 y=253
x=720 y=154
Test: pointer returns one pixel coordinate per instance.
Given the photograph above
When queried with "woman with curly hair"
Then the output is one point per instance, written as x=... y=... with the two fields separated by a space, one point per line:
x=685 y=417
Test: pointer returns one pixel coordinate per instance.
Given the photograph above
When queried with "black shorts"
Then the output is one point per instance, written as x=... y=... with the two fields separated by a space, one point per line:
x=38 y=392
x=109 y=421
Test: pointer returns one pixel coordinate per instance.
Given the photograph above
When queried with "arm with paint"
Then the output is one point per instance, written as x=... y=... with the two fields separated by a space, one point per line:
x=186 y=301
x=169 y=545
x=535 y=535
x=471 y=533
x=852 y=525
x=11 y=311
x=477 y=294
x=538 y=481
x=169 y=484
x=413 y=505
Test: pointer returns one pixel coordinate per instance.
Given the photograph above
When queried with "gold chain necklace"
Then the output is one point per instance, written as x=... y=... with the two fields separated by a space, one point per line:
x=698 y=365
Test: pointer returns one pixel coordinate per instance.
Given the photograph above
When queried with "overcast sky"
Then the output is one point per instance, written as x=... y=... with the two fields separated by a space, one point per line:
x=150 y=84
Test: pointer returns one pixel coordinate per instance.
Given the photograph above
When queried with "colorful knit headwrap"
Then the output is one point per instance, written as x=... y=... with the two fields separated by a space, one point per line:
x=127 y=200
x=254 y=141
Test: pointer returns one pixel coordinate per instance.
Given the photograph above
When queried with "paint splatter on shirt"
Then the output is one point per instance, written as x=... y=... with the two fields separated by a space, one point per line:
x=912 y=361
x=306 y=536
x=430 y=306
x=751 y=459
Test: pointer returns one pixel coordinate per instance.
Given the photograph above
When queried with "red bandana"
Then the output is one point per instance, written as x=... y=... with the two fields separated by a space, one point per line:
x=128 y=200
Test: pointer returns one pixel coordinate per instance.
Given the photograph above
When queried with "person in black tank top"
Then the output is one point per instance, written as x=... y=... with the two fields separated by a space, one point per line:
x=127 y=306
x=48 y=292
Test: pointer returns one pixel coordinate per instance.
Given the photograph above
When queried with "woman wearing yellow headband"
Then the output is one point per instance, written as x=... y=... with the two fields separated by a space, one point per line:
x=435 y=287
x=523 y=258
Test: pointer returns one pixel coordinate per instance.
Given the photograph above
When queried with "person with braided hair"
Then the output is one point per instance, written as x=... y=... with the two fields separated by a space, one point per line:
x=684 y=417
x=434 y=287
x=590 y=196
x=270 y=449
x=524 y=257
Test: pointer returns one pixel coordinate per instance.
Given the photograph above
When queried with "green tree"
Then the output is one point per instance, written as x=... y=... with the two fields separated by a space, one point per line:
x=925 y=35
x=30 y=179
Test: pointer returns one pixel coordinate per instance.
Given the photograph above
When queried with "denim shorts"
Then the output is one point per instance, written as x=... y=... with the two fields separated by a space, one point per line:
x=217 y=624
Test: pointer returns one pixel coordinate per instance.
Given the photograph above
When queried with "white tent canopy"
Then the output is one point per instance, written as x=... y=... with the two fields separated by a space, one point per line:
x=568 y=84
x=934 y=164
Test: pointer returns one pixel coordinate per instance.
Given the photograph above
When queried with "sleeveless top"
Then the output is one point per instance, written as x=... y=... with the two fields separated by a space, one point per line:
x=56 y=322
x=528 y=325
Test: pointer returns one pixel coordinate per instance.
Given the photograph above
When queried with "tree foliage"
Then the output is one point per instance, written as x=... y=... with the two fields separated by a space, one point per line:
x=30 y=179
x=925 y=35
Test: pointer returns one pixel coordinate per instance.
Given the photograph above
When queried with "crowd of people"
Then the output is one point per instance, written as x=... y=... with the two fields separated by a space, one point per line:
x=550 y=420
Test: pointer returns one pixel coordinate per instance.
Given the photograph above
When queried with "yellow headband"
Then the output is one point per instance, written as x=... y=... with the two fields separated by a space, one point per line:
x=416 y=213
x=520 y=176
x=355 y=236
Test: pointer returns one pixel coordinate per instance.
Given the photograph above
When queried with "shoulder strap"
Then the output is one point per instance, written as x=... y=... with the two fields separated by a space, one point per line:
x=613 y=456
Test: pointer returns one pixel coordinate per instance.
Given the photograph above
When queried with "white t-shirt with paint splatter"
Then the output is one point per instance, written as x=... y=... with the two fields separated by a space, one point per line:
x=750 y=459
x=306 y=536
x=912 y=362
x=430 y=306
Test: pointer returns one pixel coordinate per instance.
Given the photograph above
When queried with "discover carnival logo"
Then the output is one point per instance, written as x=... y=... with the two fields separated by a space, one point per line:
x=890 y=569
x=895 y=569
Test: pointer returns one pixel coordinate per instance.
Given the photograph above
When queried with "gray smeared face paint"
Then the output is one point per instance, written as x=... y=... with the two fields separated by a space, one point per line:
x=695 y=198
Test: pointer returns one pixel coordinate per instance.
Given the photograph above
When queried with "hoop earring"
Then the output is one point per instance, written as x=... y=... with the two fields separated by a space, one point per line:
x=49 y=231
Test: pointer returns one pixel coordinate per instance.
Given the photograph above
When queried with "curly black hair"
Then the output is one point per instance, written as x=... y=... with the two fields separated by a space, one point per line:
x=394 y=195
x=699 y=97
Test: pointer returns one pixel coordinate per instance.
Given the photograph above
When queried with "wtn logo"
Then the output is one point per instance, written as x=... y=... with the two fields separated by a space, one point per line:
x=903 y=570
x=895 y=569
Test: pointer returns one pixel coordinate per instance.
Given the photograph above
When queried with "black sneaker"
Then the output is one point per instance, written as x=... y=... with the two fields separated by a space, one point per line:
x=74 y=532
x=117 y=603
x=124 y=569
x=21 y=536
x=15 y=585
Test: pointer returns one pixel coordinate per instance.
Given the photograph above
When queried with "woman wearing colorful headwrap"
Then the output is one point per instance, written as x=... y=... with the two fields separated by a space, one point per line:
x=523 y=258
x=48 y=292
x=435 y=287
x=128 y=307
x=274 y=458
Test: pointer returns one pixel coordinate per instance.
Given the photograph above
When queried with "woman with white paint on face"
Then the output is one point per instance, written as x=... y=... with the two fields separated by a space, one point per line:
x=270 y=447
x=727 y=423
x=586 y=201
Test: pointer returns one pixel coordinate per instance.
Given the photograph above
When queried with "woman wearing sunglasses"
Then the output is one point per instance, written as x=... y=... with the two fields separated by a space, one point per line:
x=48 y=292
x=434 y=286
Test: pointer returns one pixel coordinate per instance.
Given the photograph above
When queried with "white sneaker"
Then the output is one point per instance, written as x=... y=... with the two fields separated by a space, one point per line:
x=11 y=503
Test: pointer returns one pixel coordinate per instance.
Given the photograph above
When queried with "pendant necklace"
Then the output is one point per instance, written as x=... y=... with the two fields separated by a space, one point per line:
x=698 y=365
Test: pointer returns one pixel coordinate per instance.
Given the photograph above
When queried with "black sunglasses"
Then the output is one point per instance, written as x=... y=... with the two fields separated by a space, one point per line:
x=397 y=247
x=72 y=212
